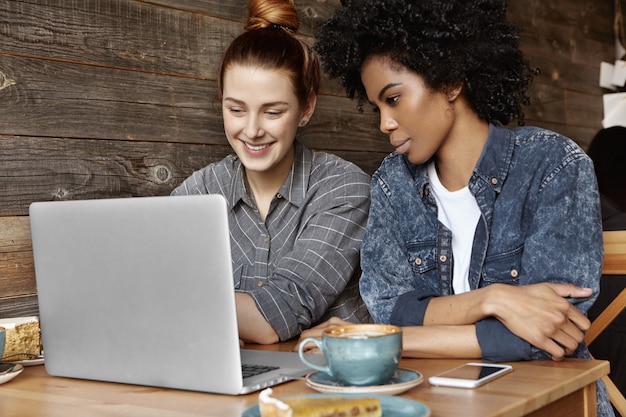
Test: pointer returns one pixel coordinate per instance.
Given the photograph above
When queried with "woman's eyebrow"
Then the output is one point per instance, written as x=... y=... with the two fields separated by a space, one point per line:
x=234 y=100
x=385 y=88
x=242 y=103
x=275 y=103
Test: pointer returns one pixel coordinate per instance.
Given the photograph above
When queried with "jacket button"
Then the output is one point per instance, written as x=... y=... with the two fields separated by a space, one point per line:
x=494 y=180
x=418 y=261
x=259 y=284
x=514 y=273
x=443 y=258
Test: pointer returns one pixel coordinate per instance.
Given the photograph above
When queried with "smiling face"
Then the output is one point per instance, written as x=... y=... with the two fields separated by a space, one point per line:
x=261 y=115
x=417 y=119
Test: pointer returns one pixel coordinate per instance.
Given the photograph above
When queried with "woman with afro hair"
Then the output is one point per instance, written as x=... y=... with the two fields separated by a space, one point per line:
x=482 y=241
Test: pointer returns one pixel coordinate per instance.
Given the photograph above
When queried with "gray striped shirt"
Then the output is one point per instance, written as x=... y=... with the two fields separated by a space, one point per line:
x=301 y=265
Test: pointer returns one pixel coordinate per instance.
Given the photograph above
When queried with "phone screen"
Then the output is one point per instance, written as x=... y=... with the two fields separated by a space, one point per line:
x=470 y=375
x=472 y=372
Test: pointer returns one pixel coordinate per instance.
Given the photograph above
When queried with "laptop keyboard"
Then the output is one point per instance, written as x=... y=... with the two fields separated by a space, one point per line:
x=249 y=370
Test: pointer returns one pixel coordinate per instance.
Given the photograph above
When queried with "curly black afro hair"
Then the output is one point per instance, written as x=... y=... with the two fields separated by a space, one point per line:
x=447 y=42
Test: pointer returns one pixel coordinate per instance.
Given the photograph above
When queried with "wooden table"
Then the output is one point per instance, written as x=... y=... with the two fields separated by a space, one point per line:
x=535 y=388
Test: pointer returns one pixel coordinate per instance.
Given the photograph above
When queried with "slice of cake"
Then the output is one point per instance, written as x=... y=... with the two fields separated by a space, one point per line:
x=23 y=338
x=318 y=407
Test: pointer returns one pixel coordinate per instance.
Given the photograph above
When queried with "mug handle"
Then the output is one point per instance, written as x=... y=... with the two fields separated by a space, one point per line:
x=317 y=343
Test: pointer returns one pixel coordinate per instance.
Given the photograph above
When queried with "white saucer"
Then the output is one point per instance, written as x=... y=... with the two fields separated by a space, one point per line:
x=28 y=362
x=402 y=380
x=10 y=374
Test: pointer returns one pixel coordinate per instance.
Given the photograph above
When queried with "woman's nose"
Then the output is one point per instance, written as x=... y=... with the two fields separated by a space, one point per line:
x=387 y=124
x=253 y=128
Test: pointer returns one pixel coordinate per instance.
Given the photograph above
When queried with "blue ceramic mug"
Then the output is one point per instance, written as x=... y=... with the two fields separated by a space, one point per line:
x=358 y=354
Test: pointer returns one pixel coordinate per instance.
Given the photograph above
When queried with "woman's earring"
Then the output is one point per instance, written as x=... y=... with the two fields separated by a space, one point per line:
x=303 y=123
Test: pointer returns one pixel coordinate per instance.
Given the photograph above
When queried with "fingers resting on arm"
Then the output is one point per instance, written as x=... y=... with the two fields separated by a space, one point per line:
x=541 y=315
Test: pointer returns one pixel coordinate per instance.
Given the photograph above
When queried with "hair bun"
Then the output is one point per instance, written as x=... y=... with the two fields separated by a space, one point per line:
x=272 y=13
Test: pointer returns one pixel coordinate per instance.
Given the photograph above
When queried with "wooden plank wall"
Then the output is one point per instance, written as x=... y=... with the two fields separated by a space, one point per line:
x=117 y=98
x=567 y=40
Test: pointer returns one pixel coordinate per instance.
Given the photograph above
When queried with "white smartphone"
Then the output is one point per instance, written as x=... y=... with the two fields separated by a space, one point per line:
x=470 y=375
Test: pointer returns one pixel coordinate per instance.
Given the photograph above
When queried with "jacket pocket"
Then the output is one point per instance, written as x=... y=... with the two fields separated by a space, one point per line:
x=504 y=267
x=422 y=257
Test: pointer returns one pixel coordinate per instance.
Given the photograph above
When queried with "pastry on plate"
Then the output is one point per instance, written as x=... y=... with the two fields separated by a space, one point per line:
x=318 y=407
x=23 y=338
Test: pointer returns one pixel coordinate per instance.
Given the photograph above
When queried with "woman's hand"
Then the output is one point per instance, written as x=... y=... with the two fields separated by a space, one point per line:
x=541 y=315
x=317 y=331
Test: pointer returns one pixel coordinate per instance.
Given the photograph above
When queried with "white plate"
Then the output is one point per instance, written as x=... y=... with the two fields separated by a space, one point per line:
x=9 y=375
x=402 y=380
x=392 y=406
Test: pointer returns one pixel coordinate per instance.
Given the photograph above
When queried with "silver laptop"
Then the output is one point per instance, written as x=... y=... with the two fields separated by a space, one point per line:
x=140 y=291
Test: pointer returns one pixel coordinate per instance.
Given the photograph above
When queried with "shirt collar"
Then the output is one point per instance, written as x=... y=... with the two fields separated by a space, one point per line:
x=491 y=169
x=495 y=161
x=297 y=182
x=293 y=189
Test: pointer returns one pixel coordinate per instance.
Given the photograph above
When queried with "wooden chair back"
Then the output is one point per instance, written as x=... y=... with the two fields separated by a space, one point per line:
x=614 y=264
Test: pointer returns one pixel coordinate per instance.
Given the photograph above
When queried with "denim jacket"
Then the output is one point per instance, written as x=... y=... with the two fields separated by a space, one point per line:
x=540 y=221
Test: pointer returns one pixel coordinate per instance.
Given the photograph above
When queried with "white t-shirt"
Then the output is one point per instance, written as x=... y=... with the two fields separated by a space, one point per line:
x=459 y=212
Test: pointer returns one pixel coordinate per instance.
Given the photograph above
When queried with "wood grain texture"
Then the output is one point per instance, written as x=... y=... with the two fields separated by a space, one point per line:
x=565 y=74
x=614 y=267
x=185 y=38
x=19 y=306
x=58 y=100
x=534 y=388
x=16 y=260
x=311 y=12
x=47 y=169
x=614 y=252
x=566 y=41
x=17 y=275
x=53 y=98
x=119 y=34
